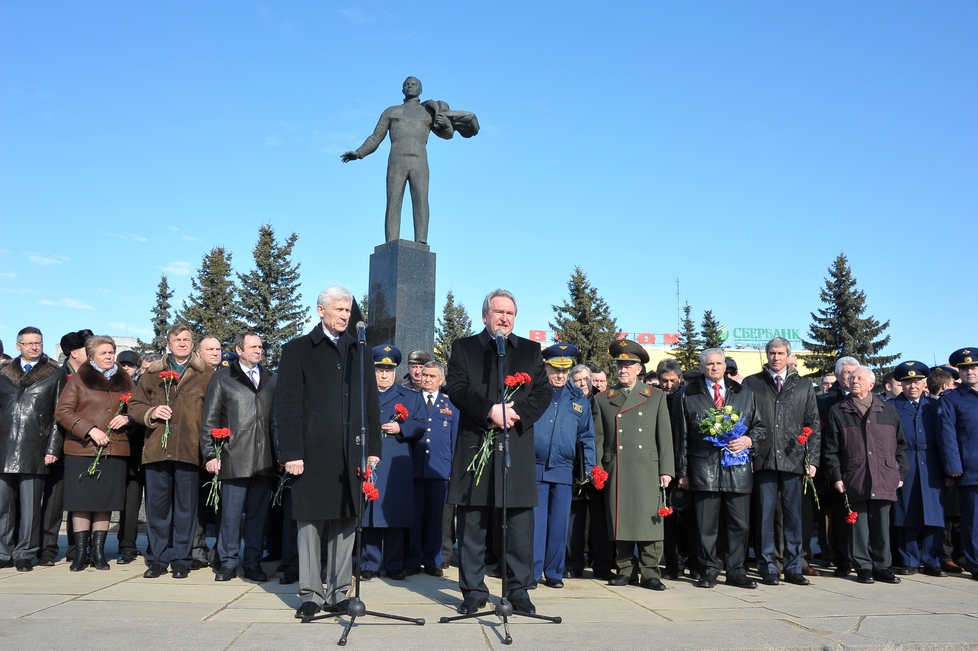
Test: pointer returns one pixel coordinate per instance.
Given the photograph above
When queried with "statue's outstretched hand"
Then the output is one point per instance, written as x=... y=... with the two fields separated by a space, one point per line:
x=350 y=155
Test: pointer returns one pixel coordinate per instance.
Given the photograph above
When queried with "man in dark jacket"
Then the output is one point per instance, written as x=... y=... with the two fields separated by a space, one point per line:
x=719 y=476
x=239 y=398
x=317 y=411
x=787 y=403
x=865 y=457
x=473 y=386
x=918 y=514
x=29 y=442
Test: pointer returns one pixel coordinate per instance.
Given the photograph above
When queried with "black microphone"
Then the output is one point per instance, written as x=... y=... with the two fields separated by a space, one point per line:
x=500 y=343
x=361 y=332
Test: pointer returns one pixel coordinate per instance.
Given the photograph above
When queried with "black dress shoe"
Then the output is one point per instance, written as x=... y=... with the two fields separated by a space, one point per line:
x=557 y=584
x=288 y=578
x=842 y=569
x=225 y=574
x=770 y=579
x=179 y=571
x=125 y=558
x=7 y=563
x=796 y=579
x=471 y=605
x=255 y=574
x=934 y=570
x=523 y=605
x=741 y=581
x=604 y=576
x=619 y=579
x=366 y=575
x=396 y=575
x=197 y=564
x=904 y=570
x=339 y=607
x=707 y=581
x=571 y=574
x=307 y=609
x=433 y=570
x=886 y=576
x=673 y=575
x=694 y=575
x=497 y=573
x=411 y=571
x=653 y=583
x=154 y=571
x=46 y=561
x=23 y=565
x=865 y=576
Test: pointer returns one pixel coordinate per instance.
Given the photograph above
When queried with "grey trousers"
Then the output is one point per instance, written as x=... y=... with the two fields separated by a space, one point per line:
x=20 y=538
x=339 y=565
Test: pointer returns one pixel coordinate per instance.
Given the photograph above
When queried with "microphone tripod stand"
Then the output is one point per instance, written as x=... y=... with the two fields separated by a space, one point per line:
x=504 y=609
x=357 y=608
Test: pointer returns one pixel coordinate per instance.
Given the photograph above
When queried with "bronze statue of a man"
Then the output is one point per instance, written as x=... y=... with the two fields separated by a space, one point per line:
x=409 y=125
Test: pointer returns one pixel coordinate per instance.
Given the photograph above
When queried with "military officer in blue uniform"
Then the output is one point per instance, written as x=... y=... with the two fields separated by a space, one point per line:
x=918 y=513
x=386 y=519
x=959 y=440
x=432 y=453
x=566 y=422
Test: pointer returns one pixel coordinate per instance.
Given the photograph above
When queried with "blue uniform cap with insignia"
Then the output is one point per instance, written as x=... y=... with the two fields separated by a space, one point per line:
x=386 y=355
x=910 y=371
x=560 y=355
x=964 y=357
x=228 y=358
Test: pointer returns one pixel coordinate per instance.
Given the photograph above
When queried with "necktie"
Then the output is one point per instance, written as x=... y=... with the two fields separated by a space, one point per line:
x=777 y=380
x=28 y=367
x=916 y=405
x=431 y=401
x=254 y=380
x=717 y=398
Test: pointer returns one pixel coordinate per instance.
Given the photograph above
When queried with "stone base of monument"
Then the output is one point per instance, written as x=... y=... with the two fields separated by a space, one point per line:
x=401 y=298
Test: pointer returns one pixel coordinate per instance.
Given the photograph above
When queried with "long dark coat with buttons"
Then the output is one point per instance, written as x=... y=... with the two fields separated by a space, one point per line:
x=317 y=409
x=919 y=502
x=633 y=436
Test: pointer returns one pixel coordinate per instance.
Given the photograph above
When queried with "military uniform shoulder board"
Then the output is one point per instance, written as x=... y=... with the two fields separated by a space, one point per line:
x=645 y=391
x=578 y=408
x=612 y=393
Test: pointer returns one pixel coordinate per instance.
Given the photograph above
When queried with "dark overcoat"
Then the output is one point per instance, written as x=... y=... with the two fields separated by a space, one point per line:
x=700 y=460
x=784 y=415
x=28 y=429
x=959 y=434
x=317 y=409
x=867 y=454
x=232 y=401
x=633 y=436
x=472 y=386
x=919 y=501
x=394 y=478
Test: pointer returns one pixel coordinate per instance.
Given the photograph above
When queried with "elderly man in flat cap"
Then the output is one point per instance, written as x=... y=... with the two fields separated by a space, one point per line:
x=633 y=435
x=959 y=438
x=557 y=433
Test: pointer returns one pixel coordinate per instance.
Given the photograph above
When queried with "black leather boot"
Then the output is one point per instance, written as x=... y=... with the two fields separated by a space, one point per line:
x=81 y=557
x=98 y=550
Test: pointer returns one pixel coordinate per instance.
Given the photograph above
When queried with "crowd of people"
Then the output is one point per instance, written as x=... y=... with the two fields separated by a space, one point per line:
x=658 y=475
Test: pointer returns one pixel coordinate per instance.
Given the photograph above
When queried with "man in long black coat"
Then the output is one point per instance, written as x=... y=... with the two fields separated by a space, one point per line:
x=473 y=386
x=317 y=408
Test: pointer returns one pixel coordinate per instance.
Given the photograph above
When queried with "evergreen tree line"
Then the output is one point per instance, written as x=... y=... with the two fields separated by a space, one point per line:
x=223 y=302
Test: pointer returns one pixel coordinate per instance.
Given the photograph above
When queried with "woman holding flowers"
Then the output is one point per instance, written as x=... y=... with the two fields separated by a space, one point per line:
x=92 y=409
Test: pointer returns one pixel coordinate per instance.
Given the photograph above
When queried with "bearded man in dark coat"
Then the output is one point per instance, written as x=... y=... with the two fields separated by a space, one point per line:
x=317 y=408
x=473 y=386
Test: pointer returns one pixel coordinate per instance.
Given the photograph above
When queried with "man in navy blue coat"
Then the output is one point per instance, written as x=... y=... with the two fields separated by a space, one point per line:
x=387 y=518
x=918 y=513
x=432 y=454
x=959 y=439
x=566 y=422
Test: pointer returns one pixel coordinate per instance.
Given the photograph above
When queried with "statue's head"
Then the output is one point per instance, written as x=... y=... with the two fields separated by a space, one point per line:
x=411 y=87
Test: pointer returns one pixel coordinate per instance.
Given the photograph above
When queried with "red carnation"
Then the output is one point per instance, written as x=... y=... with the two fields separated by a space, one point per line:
x=511 y=381
x=851 y=517
x=665 y=511
x=400 y=413
x=169 y=376
x=599 y=477
x=370 y=491
x=220 y=432
x=124 y=397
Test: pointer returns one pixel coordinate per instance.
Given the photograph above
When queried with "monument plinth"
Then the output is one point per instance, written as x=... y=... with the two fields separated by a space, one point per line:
x=401 y=308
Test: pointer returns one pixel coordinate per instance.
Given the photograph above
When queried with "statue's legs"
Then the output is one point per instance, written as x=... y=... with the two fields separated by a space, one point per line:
x=397 y=175
x=419 y=199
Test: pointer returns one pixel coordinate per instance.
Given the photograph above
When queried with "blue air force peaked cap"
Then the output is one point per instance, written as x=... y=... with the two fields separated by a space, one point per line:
x=910 y=371
x=560 y=355
x=386 y=355
x=964 y=357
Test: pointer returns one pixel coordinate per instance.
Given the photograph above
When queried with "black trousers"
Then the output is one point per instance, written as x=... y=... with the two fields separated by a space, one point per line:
x=736 y=512
x=587 y=529
x=52 y=512
x=129 y=516
x=473 y=524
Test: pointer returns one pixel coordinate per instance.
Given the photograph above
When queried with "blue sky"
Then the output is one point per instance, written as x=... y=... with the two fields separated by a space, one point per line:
x=737 y=146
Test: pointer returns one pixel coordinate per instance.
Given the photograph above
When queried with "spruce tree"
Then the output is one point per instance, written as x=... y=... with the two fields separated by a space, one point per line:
x=690 y=345
x=210 y=308
x=161 y=316
x=839 y=329
x=453 y=324
x=271 y=304
x=585 y=321
x=710 y=331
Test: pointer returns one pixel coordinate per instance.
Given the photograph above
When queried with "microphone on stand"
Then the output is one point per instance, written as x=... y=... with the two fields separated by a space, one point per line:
x=500 y=343
x=361 y=332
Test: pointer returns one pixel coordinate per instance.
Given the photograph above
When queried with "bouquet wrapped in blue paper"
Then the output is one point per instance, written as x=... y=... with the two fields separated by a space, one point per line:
x=721 y=426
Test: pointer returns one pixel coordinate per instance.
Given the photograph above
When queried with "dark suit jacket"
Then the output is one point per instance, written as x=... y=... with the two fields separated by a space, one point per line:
x=317 y=409
x=473 y=387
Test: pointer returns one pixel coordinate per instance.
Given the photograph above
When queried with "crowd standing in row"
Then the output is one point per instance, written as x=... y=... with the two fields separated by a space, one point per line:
x=655 y=476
